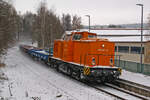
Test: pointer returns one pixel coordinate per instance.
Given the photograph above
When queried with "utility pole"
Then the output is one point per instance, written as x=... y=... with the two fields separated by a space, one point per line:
x=89 y=22
x=141 y=59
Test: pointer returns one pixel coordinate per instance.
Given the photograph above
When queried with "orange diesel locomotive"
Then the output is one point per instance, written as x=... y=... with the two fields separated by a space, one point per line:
x=83 y=56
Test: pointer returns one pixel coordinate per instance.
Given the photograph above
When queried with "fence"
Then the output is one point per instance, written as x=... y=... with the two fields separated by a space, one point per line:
x=133 y=66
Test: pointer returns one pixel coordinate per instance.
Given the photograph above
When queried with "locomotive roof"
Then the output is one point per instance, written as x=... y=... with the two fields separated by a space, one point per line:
x=121 y=32
x=84 y=32
x=70 y=32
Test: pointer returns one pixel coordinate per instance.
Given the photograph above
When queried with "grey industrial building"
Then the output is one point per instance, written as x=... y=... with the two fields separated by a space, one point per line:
x=130 y=51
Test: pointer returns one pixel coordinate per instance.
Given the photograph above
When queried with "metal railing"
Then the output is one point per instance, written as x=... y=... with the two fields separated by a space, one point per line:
x=98 y=58
x=133 y=66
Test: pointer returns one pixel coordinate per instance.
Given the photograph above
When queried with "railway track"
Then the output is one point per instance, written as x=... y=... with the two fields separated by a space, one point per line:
x=133 y=87
x=123 y=91
x=117 y=92
x=127 y=92
x=99 y=88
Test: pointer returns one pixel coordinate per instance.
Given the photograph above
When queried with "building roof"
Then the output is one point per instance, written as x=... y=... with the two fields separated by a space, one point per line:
x=120 y=38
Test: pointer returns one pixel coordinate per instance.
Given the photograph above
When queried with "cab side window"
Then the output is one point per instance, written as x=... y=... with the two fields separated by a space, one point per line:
x=77 y=36
x=66 y=37
x=91 y=36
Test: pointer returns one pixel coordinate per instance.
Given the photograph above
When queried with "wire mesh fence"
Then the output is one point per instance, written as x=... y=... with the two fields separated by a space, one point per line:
x=133 y=66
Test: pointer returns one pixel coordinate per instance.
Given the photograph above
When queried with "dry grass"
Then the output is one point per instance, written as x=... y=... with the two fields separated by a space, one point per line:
x=2 y=65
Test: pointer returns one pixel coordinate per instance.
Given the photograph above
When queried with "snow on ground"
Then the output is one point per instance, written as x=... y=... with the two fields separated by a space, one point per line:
x=136 y=77
x=29 y=79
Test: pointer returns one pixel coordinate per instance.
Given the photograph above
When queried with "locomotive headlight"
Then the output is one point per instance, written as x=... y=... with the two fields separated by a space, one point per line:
x=103 y=45
x=111 y=61
x=93 y=61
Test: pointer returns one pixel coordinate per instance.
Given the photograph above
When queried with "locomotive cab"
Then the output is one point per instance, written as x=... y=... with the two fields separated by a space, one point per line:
x=79 y=36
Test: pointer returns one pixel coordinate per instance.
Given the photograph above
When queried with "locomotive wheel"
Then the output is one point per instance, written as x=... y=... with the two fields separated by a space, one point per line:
x=82 y=77
x=111 y=79
x=56 y=67
x=103 y=80
x=51 y=65
x=77 y=75
x=69 y=71
x=48 y=63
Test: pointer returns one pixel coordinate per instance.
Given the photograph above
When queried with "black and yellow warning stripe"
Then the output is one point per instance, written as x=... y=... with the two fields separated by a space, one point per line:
x=86 y=70
x=120 y=70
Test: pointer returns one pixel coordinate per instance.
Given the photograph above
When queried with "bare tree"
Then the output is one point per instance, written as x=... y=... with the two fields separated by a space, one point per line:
x=46 y=26
x=27 y=21
x=66 y=20
x=76 y=22
x=8 y=25
x=39 y=25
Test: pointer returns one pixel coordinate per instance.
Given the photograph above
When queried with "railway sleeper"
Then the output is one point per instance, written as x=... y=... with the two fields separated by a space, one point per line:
x=134 y=88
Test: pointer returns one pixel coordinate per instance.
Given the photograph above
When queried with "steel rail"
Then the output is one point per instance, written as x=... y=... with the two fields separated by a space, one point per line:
x=134 y=87
x=105 y=91
x=126 y=91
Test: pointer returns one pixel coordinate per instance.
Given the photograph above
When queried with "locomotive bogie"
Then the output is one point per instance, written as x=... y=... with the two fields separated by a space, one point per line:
x=78 y=71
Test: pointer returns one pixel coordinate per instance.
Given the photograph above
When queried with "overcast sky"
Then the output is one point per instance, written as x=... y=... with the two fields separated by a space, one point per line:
x=101 y=11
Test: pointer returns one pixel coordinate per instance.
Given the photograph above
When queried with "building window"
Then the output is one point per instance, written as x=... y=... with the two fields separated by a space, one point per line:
x=124 y=49
x=143 y=50
x=116 y=49
x=137 y=50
